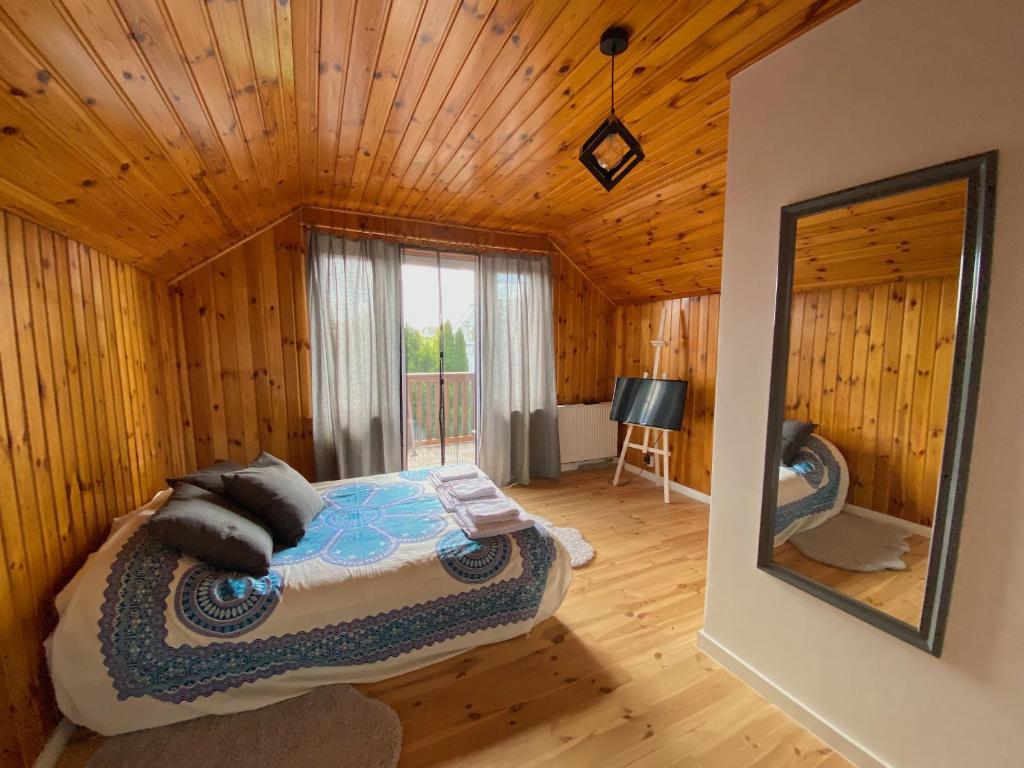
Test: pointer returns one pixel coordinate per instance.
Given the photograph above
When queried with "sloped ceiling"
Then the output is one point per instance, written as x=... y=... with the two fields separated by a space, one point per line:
x=164 y=130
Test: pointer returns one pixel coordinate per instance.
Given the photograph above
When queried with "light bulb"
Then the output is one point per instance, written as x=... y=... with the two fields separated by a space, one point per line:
x=610 y=152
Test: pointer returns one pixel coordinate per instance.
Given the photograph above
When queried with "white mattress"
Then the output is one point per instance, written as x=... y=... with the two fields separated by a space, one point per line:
x=383 y=583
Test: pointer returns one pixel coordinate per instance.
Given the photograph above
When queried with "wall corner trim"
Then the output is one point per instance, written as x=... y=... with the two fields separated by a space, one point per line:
x=857 y=754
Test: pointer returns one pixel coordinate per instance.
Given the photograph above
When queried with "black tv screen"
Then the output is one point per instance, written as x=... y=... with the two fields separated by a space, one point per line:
x=649 y=402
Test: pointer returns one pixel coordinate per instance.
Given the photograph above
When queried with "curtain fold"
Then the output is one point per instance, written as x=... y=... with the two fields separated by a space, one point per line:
x=518 y=427
x=355 y=304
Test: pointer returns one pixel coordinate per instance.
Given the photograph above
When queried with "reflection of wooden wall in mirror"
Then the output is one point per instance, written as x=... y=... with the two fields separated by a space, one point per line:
x=871 y=341
x=871 y=365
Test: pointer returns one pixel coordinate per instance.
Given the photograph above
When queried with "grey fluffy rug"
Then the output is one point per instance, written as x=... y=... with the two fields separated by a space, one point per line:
x=855 y=544
x=331 y=727
x=580 y=550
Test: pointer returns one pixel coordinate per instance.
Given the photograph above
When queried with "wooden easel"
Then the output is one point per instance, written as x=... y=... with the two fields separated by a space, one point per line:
x=661 y=455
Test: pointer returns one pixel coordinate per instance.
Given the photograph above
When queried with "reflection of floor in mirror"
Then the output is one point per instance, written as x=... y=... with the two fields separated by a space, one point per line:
x=897 y=593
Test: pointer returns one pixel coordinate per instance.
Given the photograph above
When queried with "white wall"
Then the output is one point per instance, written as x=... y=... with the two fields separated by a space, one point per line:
x=885 y=87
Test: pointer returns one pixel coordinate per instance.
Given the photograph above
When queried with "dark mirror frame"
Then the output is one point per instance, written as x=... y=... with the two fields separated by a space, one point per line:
x=980 y=173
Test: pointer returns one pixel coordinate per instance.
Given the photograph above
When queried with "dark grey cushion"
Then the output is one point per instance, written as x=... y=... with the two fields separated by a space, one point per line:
x=276 y=494
x=208 y=478
x=794 y=437
x=213 y=529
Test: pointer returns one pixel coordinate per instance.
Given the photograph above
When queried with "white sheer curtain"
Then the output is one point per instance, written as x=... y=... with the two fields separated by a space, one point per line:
x=355 y=304
x=518 y=425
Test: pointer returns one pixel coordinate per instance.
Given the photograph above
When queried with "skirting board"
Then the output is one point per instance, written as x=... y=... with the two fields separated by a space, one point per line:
x=878 y=517
x=55 y=744
x=685 y=490
x=575 y=466
x=824 y=730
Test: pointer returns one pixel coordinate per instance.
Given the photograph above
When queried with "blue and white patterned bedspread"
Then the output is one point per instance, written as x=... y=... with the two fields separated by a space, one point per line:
x=382 y=583
x=812 y=489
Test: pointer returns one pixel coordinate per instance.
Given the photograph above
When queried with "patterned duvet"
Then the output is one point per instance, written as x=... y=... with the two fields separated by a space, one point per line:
x=383 y=582
x=812 y=489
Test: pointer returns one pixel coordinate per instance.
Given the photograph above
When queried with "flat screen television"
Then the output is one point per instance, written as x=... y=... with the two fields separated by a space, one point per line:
x=649 y=402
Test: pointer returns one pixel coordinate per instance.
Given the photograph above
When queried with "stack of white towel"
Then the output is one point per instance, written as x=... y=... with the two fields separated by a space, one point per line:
x=480 y=509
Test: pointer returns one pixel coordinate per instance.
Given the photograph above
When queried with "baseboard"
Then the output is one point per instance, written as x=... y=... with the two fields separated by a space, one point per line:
x=685 y=490
x=824 y=730
x=55 y=744
x=573 y=466
x=870 y=514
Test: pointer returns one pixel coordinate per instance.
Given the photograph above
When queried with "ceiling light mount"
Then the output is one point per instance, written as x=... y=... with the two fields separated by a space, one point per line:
x=614 y=40
x=611 y=151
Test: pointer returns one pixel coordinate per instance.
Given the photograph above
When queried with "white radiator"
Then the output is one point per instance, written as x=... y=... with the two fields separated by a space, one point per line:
x=586 y=434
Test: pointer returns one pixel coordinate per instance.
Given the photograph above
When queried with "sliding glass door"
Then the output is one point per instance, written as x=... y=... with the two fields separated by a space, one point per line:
x=439 y=355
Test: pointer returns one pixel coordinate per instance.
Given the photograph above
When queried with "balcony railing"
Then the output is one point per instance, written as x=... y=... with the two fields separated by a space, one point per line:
x=422 y=424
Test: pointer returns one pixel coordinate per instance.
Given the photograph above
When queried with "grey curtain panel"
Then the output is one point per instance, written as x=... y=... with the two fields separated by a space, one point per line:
x=518 y=427
x=355 y=304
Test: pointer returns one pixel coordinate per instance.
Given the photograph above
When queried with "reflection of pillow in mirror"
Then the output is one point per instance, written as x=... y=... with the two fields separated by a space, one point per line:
x=794 y=437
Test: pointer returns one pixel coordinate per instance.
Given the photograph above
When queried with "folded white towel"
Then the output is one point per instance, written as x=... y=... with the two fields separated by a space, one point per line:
x=467 y=490
x=487 y=530
x=454 y=472
x=490 y=510
x=449 y=502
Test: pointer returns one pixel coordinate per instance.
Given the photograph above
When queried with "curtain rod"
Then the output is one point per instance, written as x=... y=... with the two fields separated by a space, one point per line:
x=422 y=239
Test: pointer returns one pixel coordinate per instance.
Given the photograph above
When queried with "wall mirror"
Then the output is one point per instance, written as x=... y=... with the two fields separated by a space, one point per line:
x=878 y=336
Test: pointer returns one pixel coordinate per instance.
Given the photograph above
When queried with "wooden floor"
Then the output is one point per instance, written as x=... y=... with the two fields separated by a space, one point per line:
x=897 y=593
x=615 y=678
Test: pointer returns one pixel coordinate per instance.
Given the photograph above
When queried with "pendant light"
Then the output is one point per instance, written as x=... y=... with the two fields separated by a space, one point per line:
x=612 y=151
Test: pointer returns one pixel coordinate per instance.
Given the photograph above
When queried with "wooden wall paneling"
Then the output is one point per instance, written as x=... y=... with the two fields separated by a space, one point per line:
x=898 y=490
x=27 y=564
x=584 y=335
x=232 y=343
x=246 y=359
x=188 y=433
x=273 y=342
x=85 y=438
x=244 y=333
x=871 y=366
x=691 y=354
x=919 y=436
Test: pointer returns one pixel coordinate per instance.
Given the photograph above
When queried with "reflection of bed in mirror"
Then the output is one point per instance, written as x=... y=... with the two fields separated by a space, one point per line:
x=812 y=489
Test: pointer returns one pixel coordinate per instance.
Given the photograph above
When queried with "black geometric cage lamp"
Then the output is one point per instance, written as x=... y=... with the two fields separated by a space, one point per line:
x=612 y=151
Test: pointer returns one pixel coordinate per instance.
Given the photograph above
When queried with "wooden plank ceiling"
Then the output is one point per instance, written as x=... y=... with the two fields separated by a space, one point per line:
x=161 y=131
x=913 y=235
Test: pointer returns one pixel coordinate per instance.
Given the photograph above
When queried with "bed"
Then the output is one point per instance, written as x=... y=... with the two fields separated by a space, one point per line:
x=384 y=582
x=812 y=489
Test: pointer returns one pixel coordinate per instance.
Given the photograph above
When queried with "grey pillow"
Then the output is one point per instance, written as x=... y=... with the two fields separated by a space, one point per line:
x=208 y=478
x=794 y=437
x=213 y=529
x=276 y=494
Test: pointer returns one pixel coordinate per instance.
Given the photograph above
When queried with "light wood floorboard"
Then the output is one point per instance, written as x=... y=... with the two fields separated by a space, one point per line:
x=897 y=593
x=614 y=678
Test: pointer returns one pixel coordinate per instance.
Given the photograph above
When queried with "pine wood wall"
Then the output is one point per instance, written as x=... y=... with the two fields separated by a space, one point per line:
x=584 y=336
x=90 y=428
x=692 y=354
x=871 y=365
x=245 y=346
x=245 y=333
